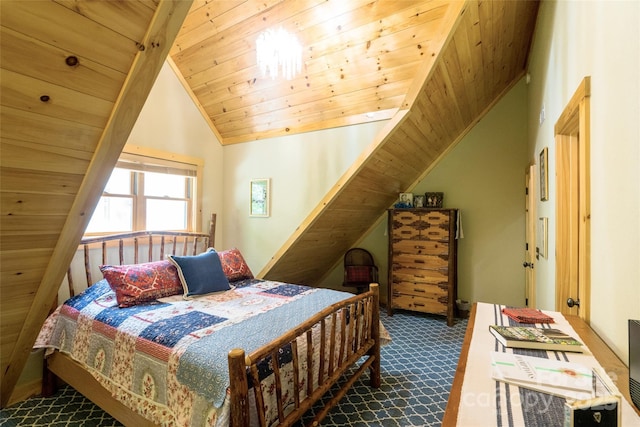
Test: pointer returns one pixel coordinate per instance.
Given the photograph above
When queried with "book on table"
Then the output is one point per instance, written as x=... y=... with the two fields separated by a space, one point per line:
x=527 y=315
x=536 y=338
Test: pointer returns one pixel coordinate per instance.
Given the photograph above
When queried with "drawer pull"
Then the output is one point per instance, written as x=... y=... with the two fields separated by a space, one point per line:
x=417 y=304
x=422 y=291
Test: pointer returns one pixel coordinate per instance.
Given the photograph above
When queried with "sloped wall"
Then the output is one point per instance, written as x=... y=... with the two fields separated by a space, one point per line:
x=483 y=176
x=302 y=169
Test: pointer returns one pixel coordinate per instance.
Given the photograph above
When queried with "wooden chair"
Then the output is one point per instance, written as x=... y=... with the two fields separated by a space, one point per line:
x=359 y=269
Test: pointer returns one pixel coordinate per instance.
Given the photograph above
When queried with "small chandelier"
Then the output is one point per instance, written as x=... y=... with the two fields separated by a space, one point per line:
x=277 y=50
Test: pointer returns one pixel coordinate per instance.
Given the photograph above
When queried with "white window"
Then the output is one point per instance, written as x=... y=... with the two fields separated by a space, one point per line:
x=148 y=193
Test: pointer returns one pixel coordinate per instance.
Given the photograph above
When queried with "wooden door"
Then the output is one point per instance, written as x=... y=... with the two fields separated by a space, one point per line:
x=530 y=237
x=573 y=213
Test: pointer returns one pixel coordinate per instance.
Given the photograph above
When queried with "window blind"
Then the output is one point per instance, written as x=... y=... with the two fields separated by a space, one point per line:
x=152 y=164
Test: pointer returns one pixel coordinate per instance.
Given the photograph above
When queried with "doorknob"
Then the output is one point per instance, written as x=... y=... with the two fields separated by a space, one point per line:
x=527 y=264
x=571 y=302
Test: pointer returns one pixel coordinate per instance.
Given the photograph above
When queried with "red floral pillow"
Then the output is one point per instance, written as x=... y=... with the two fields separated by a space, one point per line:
x=138 y=283
x=234 y=266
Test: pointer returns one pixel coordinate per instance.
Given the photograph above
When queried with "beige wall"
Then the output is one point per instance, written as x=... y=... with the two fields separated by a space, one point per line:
x=598 y=39
x=302 y=169
x=483 y=176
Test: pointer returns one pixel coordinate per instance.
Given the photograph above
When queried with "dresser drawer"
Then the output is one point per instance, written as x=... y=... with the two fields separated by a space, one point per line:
x=430 y=262
x=435 y=232
x=420 y=247
x=410 y=218
x=424 y=305
x=423 y=226
x=408 y=232
x=415 y=275
x=436 y=219
x=438 y=292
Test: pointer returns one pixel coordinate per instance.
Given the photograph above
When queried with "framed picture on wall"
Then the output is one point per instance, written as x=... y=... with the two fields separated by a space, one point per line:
x=260 y=197
x=544 y=178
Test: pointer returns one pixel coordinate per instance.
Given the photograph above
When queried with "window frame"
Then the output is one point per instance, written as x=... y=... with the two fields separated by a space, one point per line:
x=144 y=159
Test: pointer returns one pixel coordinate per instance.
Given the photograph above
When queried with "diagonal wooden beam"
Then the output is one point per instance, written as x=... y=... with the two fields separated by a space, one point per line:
x=154 y=49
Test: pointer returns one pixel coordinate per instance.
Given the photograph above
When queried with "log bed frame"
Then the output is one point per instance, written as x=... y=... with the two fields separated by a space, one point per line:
x=360 y=339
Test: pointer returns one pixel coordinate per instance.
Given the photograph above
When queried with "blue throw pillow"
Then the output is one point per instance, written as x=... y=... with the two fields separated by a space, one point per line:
x=201 y=274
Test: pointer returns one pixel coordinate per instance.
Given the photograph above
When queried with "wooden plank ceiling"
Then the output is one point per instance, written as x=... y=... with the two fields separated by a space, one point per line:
x=432 y=67
x=359 y=59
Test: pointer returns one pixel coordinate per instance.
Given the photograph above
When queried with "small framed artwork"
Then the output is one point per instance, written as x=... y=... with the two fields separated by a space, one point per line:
x=418 y=201
x=433 y=200
x=541 y=246
x=405 y=200
x=260 y=197
x=544 y=177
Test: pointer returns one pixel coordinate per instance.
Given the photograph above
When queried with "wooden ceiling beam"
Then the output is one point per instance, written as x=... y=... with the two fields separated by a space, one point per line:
x=142 y=73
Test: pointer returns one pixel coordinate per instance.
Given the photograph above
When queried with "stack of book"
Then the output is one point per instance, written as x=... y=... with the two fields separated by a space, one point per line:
x=591 y=398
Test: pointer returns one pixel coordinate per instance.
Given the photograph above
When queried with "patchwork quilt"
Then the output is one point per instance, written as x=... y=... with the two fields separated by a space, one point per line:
x=167 y=359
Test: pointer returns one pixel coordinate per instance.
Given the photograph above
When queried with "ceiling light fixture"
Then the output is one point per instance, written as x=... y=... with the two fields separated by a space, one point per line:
x=278 y=50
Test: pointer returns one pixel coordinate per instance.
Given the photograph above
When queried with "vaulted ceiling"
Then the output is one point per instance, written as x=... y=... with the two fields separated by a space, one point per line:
x=359 y=59
x=75 y=75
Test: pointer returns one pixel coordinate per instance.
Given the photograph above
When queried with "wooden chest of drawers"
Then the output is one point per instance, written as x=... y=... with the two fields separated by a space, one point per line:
x=423 y=261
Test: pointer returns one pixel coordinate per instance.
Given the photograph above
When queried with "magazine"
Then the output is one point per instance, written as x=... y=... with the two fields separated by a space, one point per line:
x=535 y=338
x=589 y=389
x=529 y=370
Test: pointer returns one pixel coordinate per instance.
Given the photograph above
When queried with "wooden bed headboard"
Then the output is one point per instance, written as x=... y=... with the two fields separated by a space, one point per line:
x=130 y=248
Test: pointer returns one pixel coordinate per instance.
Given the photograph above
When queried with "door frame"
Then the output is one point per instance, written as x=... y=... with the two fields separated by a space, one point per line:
x=573 y=205
x=530 y=237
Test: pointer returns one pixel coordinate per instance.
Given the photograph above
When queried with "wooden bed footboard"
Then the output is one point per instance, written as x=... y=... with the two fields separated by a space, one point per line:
x=357 y=324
